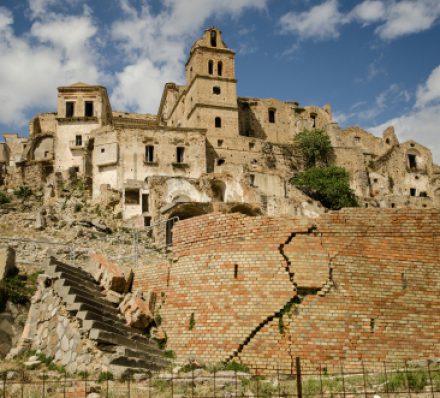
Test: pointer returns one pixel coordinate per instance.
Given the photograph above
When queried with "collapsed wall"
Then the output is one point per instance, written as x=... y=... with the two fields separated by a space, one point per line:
x=355 y=285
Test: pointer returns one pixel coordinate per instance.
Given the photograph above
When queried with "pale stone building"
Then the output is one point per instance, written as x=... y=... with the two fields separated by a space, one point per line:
x=208 y=149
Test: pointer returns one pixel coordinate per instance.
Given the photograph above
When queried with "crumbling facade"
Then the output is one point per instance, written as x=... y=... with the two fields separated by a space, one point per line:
x=207 y=149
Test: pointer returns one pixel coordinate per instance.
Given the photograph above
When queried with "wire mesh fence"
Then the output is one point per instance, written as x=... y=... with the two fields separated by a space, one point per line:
x=382 y=380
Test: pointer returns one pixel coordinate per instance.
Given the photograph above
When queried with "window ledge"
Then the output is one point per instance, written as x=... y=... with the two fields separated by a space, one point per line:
x=180 y=165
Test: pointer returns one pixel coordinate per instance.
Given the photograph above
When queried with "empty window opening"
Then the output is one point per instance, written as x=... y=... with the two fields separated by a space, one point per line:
x=387 y=140
x=219 y=142
x=75 y=169
x=416 y=177
x=251 y=145
x=252 y=180
x=220 y=68
x=220 y=162
x=78 y=140
x=213 y=38
x=271 y=115
x=412 y=161
x=218 y=122
x=46 y=154
x=149 y=153
x=210 y=67
x=412 y=192
x=218 y=191
x=313 y=117
x=145 y=203
x=216 y=90
x=88 y=110
x=235 y=271
x=102 y=150
x=372 y=325
x=412 y=144
x=393 y=205
x=70 y=108
x=131 y=196
x=357 y=139
x=423 y=194
x=147 y=221
x=375 y=180
x=180 y=154
x=366 y=205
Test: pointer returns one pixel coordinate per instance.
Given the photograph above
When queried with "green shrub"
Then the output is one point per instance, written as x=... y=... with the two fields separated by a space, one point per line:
x=4 y=198
x=329 y=185
x=23 y=192
x=192 y=321
x=315 y=147
x=104 y=376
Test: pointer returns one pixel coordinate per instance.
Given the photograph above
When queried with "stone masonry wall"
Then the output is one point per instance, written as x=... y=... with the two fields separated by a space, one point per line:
x=361 y=284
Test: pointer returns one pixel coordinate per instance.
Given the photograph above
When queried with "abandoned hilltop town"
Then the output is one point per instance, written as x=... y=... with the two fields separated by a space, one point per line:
x=158 y=241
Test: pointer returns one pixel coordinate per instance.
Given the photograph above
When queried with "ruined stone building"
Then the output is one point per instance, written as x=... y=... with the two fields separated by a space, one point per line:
x=207 y=150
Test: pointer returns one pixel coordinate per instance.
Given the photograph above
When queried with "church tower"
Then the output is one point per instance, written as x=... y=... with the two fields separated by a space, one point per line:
x=211 y=97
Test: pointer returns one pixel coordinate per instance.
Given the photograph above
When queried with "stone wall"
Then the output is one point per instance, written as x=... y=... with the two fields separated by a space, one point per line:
x=356 y=285
x=31 y=174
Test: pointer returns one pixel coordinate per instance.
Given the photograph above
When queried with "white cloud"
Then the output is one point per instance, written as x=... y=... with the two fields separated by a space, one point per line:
x=419 y=125
x=40 y=8
x=396 y=18
x=422 y=122
x=157 y=42
x=368 y=11
x=406 y=17
x=321 y=22
x=429 y=92
x=56 y=51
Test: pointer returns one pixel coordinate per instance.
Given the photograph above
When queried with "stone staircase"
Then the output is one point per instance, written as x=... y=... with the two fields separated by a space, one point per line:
x=123 y=346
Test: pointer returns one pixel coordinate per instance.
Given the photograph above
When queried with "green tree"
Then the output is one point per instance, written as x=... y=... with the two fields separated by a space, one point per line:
x=329 y=185
x=315 y=147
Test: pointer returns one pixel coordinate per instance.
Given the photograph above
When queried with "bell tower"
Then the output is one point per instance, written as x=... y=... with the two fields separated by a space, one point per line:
x=211 y=97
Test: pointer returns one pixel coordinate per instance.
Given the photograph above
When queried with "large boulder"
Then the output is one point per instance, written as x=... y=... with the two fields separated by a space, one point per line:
x=137 y=312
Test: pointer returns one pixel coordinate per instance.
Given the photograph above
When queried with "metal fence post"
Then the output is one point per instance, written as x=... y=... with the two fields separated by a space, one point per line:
x=430 y=379
x=343 y=379
x=363 y=377
x=386 y=379
x=298 y=378
x=320 y=380
x=407 y=380
x=4 y=385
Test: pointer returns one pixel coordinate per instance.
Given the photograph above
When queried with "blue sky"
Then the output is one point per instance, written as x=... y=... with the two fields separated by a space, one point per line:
x=377 y=62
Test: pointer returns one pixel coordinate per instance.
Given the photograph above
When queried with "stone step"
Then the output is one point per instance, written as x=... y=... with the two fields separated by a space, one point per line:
x=117 y=339
x=138 y=363
x=80 y=299
x=114 y=315
x=92 y=321
x=94 y=298
x=127 y=352
x=93 y=290
x=77 y=280
x=87 y=314
x=74 y=271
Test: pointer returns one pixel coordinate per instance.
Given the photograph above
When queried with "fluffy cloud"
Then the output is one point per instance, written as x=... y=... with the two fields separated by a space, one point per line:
x=321 y=22
x=154 y=45
x=394 y=18
x=406 y=17
x=429 y=92
x=57 y=50
x=422 y=122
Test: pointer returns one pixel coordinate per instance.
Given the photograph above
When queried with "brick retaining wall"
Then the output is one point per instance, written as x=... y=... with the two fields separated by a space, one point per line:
x=368 y=281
